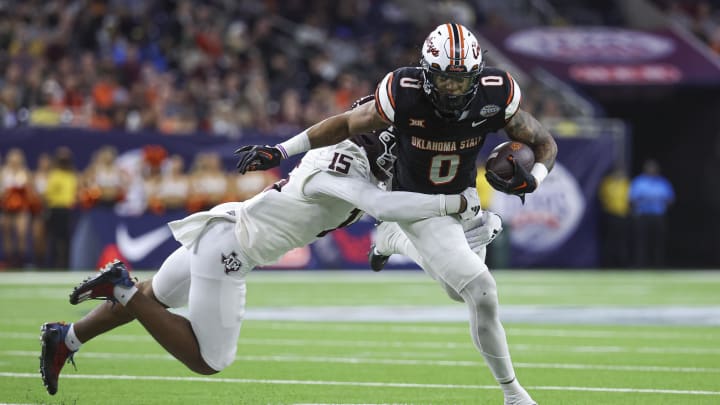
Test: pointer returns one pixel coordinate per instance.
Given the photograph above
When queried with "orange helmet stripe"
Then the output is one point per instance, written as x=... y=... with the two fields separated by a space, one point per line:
x=452 y=41
x=462 y=42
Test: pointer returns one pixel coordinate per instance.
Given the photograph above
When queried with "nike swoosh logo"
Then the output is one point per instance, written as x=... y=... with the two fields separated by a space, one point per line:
x=476 y=123
x=520 y=187
x=137 y=248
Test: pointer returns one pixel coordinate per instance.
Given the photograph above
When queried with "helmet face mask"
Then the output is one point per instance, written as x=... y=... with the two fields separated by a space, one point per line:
x=380 y=149
x=386 y=159
x=452 y=62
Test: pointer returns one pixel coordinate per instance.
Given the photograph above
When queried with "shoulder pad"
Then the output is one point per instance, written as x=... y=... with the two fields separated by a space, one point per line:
x=504 y=89
x=395 y=85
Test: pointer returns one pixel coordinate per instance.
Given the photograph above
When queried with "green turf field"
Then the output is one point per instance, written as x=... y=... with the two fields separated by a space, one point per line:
x=612 y=338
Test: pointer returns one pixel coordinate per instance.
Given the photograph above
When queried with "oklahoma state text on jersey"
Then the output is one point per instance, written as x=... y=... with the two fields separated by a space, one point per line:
x=436 y=155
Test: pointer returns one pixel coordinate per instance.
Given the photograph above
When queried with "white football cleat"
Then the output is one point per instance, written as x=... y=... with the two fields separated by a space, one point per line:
x=519 y=398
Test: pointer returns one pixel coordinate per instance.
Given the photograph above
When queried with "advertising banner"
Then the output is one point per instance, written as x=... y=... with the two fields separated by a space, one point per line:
x=601 y=56
x=557 y=225
x=555 y=228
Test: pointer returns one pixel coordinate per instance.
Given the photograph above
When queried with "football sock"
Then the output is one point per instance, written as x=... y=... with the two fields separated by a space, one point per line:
x=511 y=387
x=481 y=297
x=487 y=332
x=124 y=294
x=71 y=341
x=392 y=241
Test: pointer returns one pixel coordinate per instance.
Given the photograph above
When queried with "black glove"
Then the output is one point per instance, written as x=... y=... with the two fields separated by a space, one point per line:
x=522 y=181
x=257 y=157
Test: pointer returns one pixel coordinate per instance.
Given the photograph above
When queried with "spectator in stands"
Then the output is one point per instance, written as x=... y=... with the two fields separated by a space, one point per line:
x=38 y=208
x=208 y=183
x=615 y=226
x=103 y=184
x=249 y=184
x=15 y=193
x=175 y=184
x=152 y=178
x=61 y=196
x=701 y=18
x=168 y=189
x=220 y=67
x=149 y=176
x=650 y=196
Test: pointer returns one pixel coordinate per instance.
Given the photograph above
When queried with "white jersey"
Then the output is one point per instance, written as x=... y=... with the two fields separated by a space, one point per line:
x=329 y=189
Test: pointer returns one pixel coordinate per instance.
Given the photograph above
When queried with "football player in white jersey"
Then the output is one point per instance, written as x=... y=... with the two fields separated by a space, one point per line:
x=441 y=113
x=331 y=188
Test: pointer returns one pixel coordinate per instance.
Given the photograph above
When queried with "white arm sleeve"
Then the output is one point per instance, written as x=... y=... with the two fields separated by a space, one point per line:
x=383 y=205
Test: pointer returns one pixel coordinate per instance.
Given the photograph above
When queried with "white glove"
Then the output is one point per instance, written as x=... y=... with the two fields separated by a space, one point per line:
x=473 y=204
x=482 y=230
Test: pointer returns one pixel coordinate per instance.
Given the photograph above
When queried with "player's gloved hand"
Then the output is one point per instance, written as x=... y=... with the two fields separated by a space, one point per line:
x=522 y=181
x=482 y=230
x=257 y=157
x=472 y=203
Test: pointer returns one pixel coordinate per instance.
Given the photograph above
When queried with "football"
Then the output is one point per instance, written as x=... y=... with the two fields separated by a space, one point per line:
x=499 y=164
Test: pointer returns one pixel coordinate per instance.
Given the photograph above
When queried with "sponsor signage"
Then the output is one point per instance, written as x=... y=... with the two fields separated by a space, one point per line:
x=556 y=227
x=609 y=56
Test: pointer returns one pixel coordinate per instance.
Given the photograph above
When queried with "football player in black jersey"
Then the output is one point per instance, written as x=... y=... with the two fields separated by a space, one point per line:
x=441 y=113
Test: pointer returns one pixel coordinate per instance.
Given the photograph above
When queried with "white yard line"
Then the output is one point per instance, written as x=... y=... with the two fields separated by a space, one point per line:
x=292 y=358
x=424 y=345
x=360 y=384
x=548 y=314
x=558 y=331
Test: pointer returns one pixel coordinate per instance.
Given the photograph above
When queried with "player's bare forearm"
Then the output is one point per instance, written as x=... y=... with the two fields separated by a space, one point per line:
x=342 y=126
x=329 y=131
x=523 y=127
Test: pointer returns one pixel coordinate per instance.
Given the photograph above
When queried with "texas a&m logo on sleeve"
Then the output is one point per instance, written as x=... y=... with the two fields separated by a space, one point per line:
x=231 y=262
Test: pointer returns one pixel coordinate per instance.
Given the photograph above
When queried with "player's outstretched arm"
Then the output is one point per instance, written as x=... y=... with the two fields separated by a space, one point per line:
x=393 y=206
x=330 y=131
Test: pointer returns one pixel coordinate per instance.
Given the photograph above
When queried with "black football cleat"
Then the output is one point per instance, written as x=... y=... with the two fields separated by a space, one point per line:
x=377 y=261
x=101 y=285
x=54 y=354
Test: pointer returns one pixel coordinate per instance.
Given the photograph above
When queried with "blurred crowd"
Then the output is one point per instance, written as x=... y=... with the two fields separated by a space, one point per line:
x=38 y=206
x=219 y=67
x=227 y=67
x=701 y=17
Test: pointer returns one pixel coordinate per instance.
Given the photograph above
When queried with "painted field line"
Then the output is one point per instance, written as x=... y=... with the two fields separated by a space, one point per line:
x=462 y=330
x=349 y=343
x=559 y=331
x=292 y=358
x=359 y=384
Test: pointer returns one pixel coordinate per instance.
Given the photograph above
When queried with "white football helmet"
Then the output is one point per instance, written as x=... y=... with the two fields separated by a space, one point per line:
x=452 y=62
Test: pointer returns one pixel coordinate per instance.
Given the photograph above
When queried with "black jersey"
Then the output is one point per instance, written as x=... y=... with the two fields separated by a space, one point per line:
x=436 y=155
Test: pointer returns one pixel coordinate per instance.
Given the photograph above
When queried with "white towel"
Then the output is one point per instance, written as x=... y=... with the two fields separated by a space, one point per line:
x=188 y=229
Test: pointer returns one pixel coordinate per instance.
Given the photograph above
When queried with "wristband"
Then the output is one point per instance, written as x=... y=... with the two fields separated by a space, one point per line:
x=539 y=171
x=299 y=143
x=452 y=204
